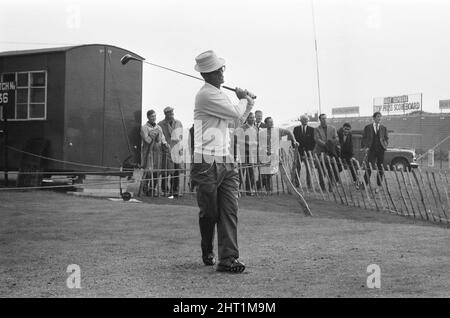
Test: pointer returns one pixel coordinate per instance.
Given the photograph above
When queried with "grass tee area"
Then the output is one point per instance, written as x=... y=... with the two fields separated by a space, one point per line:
x=152 y=249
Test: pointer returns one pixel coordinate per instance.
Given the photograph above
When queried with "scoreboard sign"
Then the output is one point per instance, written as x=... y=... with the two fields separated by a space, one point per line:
x=7 y=96
x=403 y=104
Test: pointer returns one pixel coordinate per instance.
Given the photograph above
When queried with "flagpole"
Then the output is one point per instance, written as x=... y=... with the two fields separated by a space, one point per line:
x=317 y=55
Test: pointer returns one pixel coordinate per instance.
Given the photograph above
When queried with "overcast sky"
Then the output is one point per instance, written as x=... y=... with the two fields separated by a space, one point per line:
x=366 y=48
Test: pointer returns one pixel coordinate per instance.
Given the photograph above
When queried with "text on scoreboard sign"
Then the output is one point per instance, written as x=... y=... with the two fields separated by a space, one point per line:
x=6 y=91
x=402 y=104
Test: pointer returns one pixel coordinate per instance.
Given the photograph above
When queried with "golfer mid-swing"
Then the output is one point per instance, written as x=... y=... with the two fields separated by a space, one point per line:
x=213 y=172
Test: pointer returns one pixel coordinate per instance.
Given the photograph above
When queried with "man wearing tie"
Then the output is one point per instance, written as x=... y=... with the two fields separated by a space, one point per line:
x=304 y=135
x=374 y=142
x=347 y=155
x=259 y=120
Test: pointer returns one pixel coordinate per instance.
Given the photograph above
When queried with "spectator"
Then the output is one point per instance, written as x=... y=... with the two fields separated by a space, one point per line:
x=153 y=141
x=374 y=142
x=347 y=155
x=259 y=124
x=250 y=141
x=172 y=129
x=269 y=150
x=304 y=135
x=258 y=120
x=191 y=145
x=327 y=143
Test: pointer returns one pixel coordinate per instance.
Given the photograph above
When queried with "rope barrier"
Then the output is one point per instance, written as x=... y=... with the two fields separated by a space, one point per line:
x=159 y=171
x=62 y=161
x=113 y=169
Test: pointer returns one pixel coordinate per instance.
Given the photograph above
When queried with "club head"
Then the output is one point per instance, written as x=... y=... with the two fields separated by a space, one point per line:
x=128 y=57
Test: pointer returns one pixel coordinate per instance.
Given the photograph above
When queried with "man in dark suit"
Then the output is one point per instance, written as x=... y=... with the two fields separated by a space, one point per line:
x=304 y=135
x=347 y=155
x=259 y=123
x=374 y=142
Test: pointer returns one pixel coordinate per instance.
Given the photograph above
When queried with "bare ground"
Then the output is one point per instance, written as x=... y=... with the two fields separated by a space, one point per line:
x=152 y=250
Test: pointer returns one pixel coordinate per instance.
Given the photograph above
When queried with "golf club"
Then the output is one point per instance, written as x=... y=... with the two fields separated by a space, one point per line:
x=128 y=57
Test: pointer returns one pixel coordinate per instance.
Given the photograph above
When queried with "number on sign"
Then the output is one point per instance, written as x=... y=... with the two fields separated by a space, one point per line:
x=4 y=98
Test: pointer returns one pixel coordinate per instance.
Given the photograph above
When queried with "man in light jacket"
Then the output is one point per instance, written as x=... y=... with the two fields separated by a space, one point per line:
x=327 y=143
x=213 y=171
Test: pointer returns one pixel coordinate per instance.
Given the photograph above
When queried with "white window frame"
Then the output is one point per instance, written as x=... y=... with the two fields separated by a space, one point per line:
x=29 y=87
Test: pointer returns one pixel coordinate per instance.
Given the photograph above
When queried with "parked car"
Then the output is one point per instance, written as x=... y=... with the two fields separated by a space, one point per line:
x=395 y=158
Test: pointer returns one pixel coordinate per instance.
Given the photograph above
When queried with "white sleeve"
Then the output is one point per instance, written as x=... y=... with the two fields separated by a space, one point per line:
x=218 y=105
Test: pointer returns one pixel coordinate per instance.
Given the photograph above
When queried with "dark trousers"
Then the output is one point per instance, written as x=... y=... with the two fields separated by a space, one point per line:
x=351 y=166
x=217 y=197
x=375 y=157
x=174 y=180
x=333 y=174
x=267 y=182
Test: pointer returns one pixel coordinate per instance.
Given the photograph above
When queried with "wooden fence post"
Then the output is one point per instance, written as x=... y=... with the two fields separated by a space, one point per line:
x=364 y=185
x=324 y=179
x=386 y=183
x=312 y=172
x=370 y=186
x=328 y=184
x=414 y=196
x=347 y=182
x=335 y=166
x=408 y=194
x=422 y=198
x=401 y=192
x=438 y=197
x=299 y=160
x=387 y=207
x=426 y=194
x=441 y=177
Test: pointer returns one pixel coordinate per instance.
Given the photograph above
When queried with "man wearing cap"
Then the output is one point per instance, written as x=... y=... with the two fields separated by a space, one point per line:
x=214 y=172
x=172 y=130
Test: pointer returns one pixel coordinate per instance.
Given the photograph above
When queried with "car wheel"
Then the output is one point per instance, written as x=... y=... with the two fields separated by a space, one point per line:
x=400 y=164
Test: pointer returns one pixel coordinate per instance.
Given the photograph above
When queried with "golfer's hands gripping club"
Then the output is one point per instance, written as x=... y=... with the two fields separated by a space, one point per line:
x=245 y=94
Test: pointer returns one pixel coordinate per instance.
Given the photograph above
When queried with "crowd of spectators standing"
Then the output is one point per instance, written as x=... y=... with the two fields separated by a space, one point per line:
x=255 y=147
